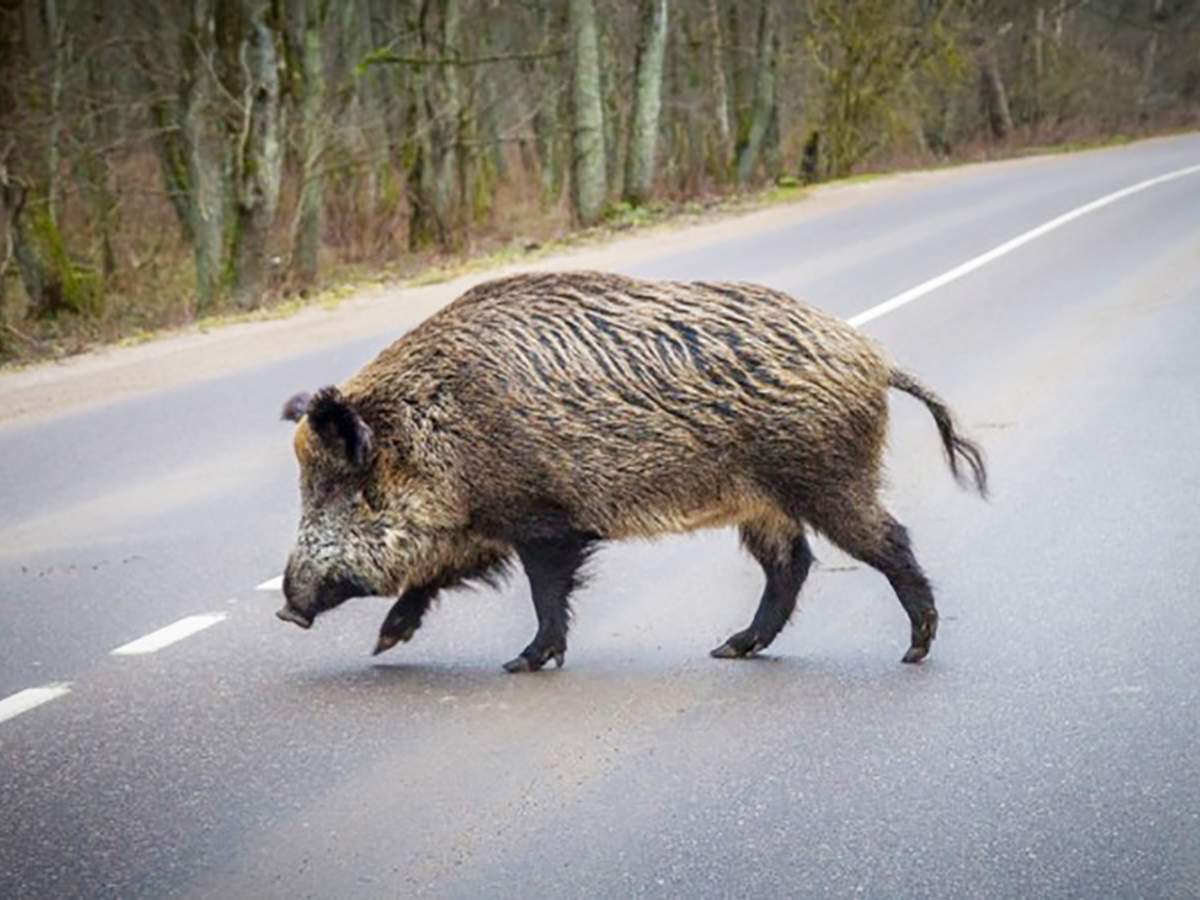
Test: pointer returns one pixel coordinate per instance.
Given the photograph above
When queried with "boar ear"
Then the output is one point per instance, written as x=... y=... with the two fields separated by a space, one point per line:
x=340 y=427
x=297 y=405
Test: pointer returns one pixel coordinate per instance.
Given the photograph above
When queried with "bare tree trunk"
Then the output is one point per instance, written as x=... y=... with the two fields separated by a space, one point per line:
x=589 y=180
x=416 y=146
x=90 y=162
x=764 y=93
x=9 y=196
x=1039 y=62
x=42 y=282
x=647 y=102
x=994 y=94
x=56 y=39
x=164 y=110
x=172 y=156
x=435 y=120
x=744 y=19
x=447 y=113
x=382 y=96
x=720 y=91
x=202 y=130
x=548 y=101
x=490 y=103
x=259 y=160
x=309 y=19
x=1149 y=57
x=38 y=245
x=613 y=108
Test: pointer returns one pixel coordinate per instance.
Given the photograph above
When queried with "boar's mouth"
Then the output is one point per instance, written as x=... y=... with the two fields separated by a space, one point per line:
x=329 y=596
x=294 y=616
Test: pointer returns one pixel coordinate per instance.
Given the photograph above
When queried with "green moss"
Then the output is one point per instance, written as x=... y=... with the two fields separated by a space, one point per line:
x=784 y=194
x=390 y=191
x=82 y=290
x=623 y=214
x=483 y=190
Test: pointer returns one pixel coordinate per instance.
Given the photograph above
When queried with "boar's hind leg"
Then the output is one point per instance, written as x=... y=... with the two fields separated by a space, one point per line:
x=552 y=566
x=882 y=543
x=786 y=564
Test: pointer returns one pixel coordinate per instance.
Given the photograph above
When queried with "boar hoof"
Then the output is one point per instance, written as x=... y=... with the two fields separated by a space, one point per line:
x=385 y=642
x=923 y=635
x=287 y=614
x=915 y=654
x=388 y=640
x=532 y=660
x=738 y=646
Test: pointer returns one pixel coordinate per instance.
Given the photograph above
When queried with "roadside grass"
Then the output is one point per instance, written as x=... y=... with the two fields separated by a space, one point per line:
x=135 y=326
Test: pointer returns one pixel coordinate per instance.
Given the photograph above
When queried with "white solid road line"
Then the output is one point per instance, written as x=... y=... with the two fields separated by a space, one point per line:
x=983 y=259
x=23 y=701
x=164 y=637
x=271 y=584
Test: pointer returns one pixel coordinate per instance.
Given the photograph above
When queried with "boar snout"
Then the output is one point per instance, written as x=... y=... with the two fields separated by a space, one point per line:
x=308 y=593
x=294 y=611
x=288 y=614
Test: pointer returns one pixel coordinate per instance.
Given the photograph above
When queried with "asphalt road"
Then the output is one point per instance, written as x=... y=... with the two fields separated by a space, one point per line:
x=1047 y=748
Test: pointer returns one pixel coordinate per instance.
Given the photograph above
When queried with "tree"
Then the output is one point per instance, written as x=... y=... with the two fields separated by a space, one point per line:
x=647 y=101
x=307 y=91
x=750 y=144
x=589 y=182
x=258 y=151
x=720 y=91
x=994 y=94
x=230 y=126
x=868 y=53
x=206 y=152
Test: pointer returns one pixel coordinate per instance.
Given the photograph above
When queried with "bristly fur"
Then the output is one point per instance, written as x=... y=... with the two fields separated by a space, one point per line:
x=540 y=414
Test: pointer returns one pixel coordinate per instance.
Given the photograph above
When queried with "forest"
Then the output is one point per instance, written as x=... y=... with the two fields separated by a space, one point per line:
x=169 y=161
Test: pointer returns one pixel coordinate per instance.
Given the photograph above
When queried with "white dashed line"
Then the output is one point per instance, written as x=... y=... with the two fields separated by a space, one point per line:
x=164 y=637
x=271 y=584
x=914 y=293
x=23 y=701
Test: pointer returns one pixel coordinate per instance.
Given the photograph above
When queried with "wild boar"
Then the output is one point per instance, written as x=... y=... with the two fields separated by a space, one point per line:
x=539 y=415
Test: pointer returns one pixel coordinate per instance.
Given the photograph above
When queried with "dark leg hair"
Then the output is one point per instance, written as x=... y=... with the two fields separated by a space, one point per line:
x=786 y=564
x=882 y=543
x=404 y=618
x=552 y=565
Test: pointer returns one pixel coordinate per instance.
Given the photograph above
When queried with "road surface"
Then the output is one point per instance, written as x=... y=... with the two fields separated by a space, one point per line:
x=1047 y=748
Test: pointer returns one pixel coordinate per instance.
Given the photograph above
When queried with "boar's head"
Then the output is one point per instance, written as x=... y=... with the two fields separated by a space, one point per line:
x=352 y=534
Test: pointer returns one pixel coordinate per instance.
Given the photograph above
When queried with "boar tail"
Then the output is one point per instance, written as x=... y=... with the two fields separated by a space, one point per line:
x=958 y=449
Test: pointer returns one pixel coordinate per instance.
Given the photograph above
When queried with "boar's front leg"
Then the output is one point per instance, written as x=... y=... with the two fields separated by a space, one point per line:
x=552 y=566
x=404 y=618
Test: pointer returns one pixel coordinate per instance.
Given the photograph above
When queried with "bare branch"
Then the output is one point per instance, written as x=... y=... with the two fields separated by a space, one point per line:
x=388 y=57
